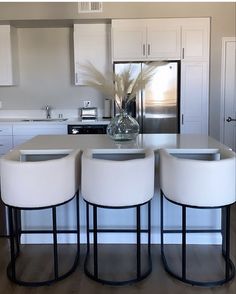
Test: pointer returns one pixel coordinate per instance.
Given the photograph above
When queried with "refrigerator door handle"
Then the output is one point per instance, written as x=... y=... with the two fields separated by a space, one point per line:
x=149 y=49
x=139 y=111
x=144 y=51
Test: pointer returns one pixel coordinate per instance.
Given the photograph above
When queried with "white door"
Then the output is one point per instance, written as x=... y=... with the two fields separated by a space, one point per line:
x=228 y=93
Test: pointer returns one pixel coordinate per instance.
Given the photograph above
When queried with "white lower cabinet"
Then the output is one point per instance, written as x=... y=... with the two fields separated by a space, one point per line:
x=5 y=138
x=24 y=132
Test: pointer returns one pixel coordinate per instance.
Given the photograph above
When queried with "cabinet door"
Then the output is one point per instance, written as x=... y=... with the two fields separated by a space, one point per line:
x=163 y=39
x=91 y=44
x=195 y=39
x=5 y=56
x=128 y=40
x=194 y=97
x=8 y=58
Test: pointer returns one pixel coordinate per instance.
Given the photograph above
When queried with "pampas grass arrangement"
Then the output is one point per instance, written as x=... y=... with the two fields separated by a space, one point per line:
x=122 y=87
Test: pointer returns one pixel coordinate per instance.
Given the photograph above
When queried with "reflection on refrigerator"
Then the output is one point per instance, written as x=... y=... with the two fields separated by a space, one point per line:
x=156 y=107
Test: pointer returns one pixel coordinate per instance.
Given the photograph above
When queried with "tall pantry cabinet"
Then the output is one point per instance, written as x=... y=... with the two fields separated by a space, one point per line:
x=195 y=75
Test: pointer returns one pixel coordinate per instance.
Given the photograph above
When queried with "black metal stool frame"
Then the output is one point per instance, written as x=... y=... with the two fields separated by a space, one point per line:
x=95 y=230
x=15 y=232
x=225 y=231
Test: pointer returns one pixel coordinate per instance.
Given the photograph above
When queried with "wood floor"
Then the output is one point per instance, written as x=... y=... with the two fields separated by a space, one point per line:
x=159 y=282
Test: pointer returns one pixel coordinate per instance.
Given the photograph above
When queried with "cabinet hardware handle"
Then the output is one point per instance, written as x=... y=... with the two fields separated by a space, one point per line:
x=229 y=119
x=149 y=49
x=76 y=78
x=182 y=119
x=143 y=49
x=183 y=53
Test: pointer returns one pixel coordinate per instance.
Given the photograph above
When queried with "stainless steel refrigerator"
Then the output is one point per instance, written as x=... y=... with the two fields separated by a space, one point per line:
x=156 y=107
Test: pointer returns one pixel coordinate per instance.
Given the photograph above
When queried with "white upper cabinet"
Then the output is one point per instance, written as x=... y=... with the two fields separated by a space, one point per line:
x=128 y=40
x=8 y=58
x=163 y=39
x=91 y=44
x=195 y=39
x=141 y=39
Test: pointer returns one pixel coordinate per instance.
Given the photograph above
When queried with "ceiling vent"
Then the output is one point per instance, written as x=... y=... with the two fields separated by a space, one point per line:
x=90 y=7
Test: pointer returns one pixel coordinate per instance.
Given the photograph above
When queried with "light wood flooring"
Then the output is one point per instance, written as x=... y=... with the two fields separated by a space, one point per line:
x=159 y=282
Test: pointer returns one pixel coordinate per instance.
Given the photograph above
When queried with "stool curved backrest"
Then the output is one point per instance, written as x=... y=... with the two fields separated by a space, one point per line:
x=117 y=182
x=35 y=184
x=199 y=183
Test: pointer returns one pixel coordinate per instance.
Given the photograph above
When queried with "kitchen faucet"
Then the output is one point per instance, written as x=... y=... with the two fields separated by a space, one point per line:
x=48 y=111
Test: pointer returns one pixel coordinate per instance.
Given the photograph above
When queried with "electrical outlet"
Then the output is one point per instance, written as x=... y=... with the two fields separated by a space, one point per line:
x=87 y=103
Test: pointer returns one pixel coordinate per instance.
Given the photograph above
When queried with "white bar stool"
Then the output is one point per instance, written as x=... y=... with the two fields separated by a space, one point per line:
x=36 y=185
x=199 y=184
x=117 y=183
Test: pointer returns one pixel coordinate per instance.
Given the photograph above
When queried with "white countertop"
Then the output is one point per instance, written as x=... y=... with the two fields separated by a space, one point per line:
x=175 y=142
x=16 y=121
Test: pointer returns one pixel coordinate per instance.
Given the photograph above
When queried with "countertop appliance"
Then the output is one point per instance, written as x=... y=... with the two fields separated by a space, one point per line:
x=86 y=129
x=156 y=108
x=89 y=113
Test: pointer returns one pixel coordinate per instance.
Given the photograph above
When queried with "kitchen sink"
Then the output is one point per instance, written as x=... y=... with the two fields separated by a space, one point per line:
x=44 y=119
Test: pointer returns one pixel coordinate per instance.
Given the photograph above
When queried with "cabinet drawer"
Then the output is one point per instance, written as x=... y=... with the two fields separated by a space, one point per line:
x=5 y=130
x=5 y=144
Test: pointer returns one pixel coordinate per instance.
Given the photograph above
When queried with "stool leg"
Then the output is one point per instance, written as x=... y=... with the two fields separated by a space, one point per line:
x=184 y=243
x=223 y=228
x=227 y=243
x=149 y=228
x=95 y=242
x=87 y=232
x=12 y=241
x=17 y=228
x=54 y=222
x=78 y=222
x=162 y=224
x=138 y=243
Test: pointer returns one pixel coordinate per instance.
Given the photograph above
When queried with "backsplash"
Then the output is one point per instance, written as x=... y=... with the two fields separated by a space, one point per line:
x=55 y=113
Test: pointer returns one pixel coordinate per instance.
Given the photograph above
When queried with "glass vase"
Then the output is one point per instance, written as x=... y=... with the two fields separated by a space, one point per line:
x=123 y=127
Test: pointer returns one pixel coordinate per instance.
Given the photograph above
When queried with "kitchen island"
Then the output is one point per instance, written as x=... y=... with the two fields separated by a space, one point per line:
x=196 y=146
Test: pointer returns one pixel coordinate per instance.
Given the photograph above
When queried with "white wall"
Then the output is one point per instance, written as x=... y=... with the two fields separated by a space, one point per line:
x=59 y=91
x=46 y=72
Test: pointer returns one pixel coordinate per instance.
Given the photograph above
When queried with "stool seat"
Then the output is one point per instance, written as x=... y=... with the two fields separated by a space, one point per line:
x=37 y=185
x=117 y=181
x=199 y=184
x=51 y=182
